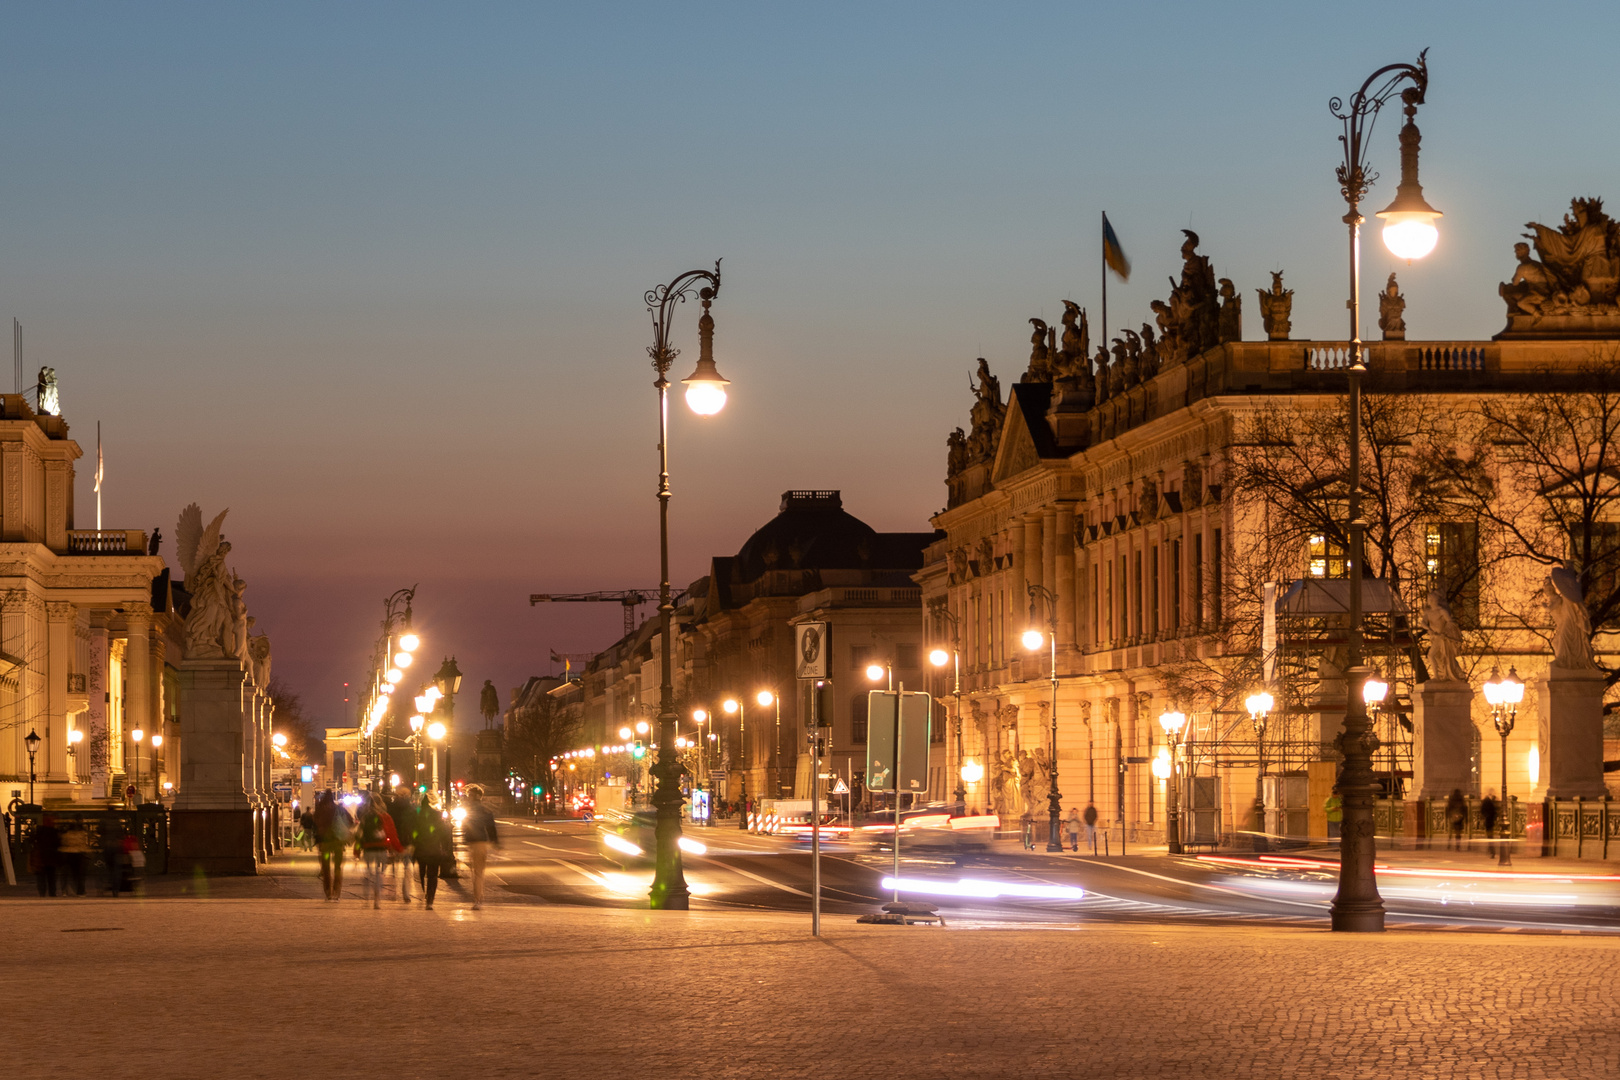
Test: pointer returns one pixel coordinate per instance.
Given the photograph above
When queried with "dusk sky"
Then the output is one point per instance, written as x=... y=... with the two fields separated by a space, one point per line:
x=371 y=275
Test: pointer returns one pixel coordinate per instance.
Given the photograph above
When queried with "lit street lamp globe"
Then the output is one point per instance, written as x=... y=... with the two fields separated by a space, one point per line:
x=939 y=657
x=436 y=730
x=1033 y=639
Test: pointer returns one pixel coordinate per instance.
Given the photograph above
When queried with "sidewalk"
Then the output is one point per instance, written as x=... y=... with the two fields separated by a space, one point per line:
x=252 y=988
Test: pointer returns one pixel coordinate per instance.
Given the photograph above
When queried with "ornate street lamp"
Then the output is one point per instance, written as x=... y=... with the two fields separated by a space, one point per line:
x=1503 y=696
x=31 y=741
x=1409 y=233
x=1173 y=722
x=740 y=708
x=1259 y=705
x=1033 y=639
x=705 y=395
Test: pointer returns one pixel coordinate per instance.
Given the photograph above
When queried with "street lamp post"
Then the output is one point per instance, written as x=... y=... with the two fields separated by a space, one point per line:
x=705 y=395
x=1373 y=691
x=138 y=736
x=447 y=681
x=1259 y=706
x=1173 y=722
x=767 y=699
x=31 y=741
x=736 y=705
x=939 y=658
x=877 y=673
x=1503 y=696
x=1409 y=233
x=1032 y=641
x=157 y=744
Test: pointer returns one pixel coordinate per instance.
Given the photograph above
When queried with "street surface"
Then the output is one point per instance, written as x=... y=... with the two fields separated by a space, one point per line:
x=564 y=862
x=250 y=988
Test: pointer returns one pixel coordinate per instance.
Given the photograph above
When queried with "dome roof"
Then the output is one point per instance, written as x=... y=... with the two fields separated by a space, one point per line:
x=810 y=532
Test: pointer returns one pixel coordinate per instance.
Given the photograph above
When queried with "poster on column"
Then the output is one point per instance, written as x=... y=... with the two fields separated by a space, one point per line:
x=96 y=692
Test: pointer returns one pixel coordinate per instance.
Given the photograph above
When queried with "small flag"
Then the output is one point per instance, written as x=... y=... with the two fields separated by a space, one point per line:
x=1113 y=254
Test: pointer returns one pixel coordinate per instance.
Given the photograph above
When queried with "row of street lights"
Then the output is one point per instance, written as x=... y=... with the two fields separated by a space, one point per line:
x=32 y=740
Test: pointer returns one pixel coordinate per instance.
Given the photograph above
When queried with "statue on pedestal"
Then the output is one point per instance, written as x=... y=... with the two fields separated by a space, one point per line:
x=1445 y=639
x=1579 y=270
x=1572 y=627
x=210 y=627
x=956 y=452
x=49 y=397
x=1040 y=354
x=1231 y=312
x=1276 y=308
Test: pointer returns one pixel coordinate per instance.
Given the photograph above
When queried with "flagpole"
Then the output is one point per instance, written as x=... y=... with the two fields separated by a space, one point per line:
x=98 y=476
x=1104 y=246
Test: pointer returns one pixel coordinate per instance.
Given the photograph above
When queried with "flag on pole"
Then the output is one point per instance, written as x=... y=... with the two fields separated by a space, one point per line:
x=100 y=471
x=1113 y=254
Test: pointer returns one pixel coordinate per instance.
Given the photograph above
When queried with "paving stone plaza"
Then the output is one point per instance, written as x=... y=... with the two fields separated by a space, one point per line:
x=289 y=988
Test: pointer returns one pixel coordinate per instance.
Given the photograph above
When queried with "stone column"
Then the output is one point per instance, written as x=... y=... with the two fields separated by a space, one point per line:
x=138 y=672
x=212 y=822
x=1569 y=734
x=1442 y=723
x=96 y=746
x=1015 y=548
x=1049 y=553
x=59 y=665
x=1032 y=562
x=1063 y=527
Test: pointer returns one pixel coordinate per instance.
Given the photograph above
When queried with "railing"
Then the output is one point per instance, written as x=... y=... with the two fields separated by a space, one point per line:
x=149 y=825
x=106 y=542
x=1327 y=357
x=1452 y=358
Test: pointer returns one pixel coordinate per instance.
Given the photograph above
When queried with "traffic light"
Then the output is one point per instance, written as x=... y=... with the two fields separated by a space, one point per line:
x=538 y=791
x=638 y=751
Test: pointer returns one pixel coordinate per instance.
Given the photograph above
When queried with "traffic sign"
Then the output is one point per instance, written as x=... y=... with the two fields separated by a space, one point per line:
x=839 y=787
x=915 y=713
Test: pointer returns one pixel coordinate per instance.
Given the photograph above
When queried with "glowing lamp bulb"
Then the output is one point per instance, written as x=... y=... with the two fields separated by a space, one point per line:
x=157 y=741
x=410 y=642
x=624 y=733
x=972 y=772
x=1034 y=639
x=765 y=698
x=436 y=730
x=730 y=705
x=939 y=657
x=279 y=739
x=699 y=715
x=875 y=672
x=394 y=675
x=402 y=659
x=641 y=727
x=137 y=734
x=705 y=398
x=1410 y=235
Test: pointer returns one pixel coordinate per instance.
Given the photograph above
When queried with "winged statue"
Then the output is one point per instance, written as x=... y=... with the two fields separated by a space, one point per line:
x=202 y=558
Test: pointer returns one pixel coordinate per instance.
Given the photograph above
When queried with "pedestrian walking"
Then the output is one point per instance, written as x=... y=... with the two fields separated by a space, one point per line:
x=1090 y=818
x=1072 y=825
x=75 y=854
x=378 y=839
x=1488 y=811
x=1029 y=833
x=113 y=857
x=431 y=843
x=45 y=855
x=306 y=829
x=333 y=829
x=1335 y=815
x=1456 y=817
x=403 y=811
x=478 y=830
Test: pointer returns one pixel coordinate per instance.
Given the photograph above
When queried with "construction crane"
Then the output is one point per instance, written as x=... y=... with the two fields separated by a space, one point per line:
x=630 y=598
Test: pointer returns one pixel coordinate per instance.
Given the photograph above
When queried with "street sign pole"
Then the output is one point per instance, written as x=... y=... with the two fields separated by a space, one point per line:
x=899 y=697
x=815 y=810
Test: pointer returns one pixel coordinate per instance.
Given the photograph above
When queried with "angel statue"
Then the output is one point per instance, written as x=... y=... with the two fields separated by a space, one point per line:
x=210 y=626
x=258 y=650
x=1572 y=627
x=1445 y=640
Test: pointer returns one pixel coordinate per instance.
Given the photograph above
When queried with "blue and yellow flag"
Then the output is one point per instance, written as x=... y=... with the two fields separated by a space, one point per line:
x=1113 y=254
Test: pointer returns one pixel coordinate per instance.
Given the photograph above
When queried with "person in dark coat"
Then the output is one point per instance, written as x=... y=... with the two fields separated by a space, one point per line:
x=75 y=854
x=431 y=843
x=403 y=811
x=1488 y=809
x=1456 y=817
x=46 y=855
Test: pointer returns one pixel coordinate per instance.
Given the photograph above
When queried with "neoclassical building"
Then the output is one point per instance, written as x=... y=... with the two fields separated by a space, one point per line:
x=85 y=630
x=1154 y=502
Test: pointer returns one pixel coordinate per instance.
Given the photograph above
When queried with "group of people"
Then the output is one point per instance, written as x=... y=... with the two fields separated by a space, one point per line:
x=60 y=857
x=398 y=836
x=1457 y=819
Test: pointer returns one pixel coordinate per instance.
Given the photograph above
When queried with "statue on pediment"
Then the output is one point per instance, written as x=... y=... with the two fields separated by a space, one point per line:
x=988 y=413
x=1040 y=354
x=1074 y=358
x=1171 y=348
x=1276 y=308
x=1231 y=320
x=1578 y=272
x=1197 y=292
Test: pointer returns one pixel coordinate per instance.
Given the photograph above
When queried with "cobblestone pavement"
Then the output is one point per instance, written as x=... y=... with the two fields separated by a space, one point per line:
x=290 y=988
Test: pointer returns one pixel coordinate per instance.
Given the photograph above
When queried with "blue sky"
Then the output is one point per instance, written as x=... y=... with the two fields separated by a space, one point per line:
x=371 y=274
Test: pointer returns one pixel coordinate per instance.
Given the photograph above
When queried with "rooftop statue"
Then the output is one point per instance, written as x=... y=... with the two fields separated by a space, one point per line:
x=1579 y=269
x=1133 y=359
x=49 y=397
x=1102 y=375
x=1391 y=312
x=988 y=412
x=1276 y=308
x=1231 y=322
x=1150 y=353
x=1075 y=356
x=956 y=452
